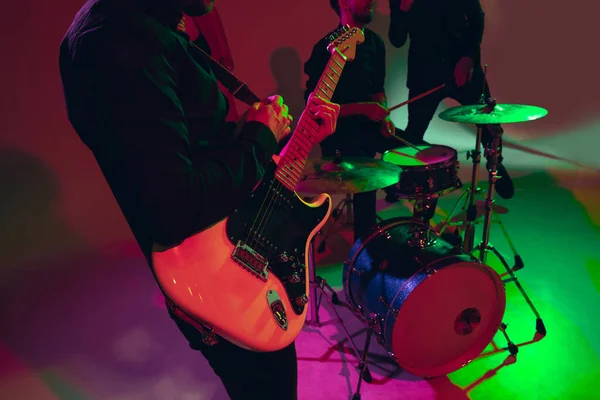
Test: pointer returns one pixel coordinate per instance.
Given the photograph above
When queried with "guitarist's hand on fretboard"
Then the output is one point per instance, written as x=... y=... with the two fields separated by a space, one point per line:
x=324 y=113
x=273 y=113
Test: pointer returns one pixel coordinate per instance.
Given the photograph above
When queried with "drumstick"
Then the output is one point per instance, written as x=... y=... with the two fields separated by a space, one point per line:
x=416 y=97
x=402 y=154
x=406 y=142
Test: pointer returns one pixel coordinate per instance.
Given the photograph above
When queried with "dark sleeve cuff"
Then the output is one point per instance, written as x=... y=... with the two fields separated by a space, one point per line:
x=261 y=135
x=470 y=52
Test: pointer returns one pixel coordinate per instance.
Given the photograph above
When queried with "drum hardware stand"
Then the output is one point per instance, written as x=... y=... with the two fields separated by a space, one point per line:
x=510 y=346
x=469 y=238
x=493 y=152
x=423 y=211
x=318 y=286
x=373 y=323
x=475 y=155
x=337 y=212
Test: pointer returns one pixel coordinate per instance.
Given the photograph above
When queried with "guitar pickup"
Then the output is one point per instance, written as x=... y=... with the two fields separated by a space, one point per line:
x=245 y=256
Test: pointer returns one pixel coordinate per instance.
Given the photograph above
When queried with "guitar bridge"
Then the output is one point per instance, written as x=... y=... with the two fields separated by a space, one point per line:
x=245 y=256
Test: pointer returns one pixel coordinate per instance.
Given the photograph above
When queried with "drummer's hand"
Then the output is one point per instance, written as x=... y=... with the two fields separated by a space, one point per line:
x=325 y=113
x=388 y=129
x=405 y=5
x=374 y=111
x=463 y=72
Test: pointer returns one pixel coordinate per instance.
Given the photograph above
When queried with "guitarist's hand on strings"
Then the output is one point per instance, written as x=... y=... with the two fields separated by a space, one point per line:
x=325 y=113
x=273 y=113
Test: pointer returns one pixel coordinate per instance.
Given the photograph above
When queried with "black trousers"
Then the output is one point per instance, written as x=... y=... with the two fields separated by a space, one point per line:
x=365 y=204
x=421 y=112
x=246 y=374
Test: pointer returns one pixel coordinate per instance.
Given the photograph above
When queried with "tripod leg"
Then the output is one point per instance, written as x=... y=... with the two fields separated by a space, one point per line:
x=323 y=285
x=363 y=362
x=446 y=222
x=315 y=301
x=518 y=260
x=349 y=210
x=539 y=323
x=510 y=345
x=337 y=213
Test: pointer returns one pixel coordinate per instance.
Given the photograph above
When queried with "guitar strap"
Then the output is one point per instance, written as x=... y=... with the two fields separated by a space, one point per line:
x=238 y=88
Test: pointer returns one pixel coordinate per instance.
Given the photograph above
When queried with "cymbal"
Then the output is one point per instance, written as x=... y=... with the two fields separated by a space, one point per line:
x=347 y=175
x=502 y=114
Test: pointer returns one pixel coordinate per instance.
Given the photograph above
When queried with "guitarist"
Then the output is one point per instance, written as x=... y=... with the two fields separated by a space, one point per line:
x=365 y=127
x=152 y=114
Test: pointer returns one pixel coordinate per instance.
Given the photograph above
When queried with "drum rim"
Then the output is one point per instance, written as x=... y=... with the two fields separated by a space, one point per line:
x=391 y=314
x=349 y=263
x=468 y=356
x=440 y=164
x=380 y=227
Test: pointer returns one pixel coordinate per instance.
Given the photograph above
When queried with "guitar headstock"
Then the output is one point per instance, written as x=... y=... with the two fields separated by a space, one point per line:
x=345 y=41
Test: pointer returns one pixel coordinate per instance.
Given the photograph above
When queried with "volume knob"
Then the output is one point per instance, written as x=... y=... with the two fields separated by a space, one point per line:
x=301 y=300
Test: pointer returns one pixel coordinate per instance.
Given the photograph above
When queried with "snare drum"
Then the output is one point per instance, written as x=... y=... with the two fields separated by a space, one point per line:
x=430 y=171
x=438 y=309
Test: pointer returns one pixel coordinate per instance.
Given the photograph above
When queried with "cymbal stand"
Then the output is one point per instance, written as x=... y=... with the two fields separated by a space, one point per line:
x=469 y=227
x=469 y=237
x=318 y=287
x=337 y=212
x=372 y=324
x=493 y=152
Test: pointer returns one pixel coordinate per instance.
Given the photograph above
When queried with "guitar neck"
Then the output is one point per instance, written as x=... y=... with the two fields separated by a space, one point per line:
x=292 y=163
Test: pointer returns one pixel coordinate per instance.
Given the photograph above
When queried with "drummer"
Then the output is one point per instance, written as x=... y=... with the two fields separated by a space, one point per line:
x=364 y=125
x=443 y=53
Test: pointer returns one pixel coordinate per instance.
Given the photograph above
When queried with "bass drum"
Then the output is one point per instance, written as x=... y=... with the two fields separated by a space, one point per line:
x=438 y=309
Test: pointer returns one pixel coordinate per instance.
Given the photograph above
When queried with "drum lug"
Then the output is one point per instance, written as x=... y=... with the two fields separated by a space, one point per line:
x=430 y=271
x=386 y=234
x=357 y=272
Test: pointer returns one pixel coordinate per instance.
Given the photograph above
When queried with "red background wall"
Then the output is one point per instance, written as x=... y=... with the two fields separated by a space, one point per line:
x=54 y=201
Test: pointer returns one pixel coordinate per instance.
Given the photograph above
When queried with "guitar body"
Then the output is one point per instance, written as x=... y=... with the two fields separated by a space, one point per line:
x=246 y=278
x=220 y=277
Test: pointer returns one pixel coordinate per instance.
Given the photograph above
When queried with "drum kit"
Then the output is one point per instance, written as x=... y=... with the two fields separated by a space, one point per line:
x=432 y=304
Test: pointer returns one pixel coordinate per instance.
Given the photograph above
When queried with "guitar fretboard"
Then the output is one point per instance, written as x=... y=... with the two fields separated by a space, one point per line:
x=292 y=163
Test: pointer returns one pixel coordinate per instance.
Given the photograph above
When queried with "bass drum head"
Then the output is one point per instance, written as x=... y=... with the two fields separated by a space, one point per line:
x=448 y=319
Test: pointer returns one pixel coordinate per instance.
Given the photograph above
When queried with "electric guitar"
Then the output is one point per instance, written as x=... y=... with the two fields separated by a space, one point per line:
x=246 y=277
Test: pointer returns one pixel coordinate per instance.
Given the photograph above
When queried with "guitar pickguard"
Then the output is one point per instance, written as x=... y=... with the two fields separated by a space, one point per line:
x=270 y=231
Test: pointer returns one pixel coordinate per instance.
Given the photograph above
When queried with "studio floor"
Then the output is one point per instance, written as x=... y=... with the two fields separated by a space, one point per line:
x=94 y=327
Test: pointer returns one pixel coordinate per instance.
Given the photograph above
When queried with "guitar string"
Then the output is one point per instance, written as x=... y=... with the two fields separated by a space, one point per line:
x=273 y=204
x=271 y=186
x=269 y=212
x=266 y=218
x=272 y=195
